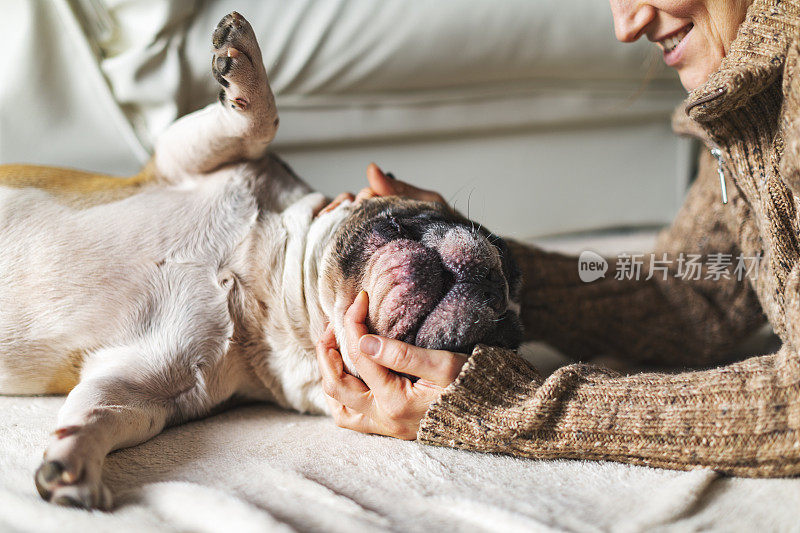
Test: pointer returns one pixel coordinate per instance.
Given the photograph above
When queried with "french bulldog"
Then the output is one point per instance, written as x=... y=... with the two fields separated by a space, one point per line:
x=209 y=276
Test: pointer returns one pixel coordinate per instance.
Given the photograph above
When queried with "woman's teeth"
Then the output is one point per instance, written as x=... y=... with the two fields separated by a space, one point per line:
x=670 y=43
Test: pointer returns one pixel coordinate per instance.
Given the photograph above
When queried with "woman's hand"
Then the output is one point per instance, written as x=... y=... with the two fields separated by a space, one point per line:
x=387 y=185
x=384 y=402
x=381 y=184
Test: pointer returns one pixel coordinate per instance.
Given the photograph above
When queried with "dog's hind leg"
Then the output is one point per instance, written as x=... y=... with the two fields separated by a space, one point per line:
x=238 y=127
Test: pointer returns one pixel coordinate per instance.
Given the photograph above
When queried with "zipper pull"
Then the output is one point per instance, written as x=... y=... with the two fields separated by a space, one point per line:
x=717 y=153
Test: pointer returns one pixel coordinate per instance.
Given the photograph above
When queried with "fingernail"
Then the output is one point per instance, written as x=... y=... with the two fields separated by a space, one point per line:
x=390 y=176
x=370 y=345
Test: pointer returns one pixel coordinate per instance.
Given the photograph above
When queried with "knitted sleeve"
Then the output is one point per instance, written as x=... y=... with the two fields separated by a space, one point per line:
x=742 y=419
x=694 y=308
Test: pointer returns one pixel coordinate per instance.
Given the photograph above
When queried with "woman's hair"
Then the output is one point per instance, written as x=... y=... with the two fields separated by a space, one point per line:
x=654 y=66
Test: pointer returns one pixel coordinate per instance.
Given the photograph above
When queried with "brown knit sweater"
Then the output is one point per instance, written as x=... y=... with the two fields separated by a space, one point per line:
x=744 y=418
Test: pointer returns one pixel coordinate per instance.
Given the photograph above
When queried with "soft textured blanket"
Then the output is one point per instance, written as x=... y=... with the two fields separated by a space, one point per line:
x=258 y=468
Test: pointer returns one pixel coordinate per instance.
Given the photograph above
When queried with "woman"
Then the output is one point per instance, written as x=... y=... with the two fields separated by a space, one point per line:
x=739 y=60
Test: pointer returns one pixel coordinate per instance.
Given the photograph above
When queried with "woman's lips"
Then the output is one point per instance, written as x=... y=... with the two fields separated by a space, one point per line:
x=674 y=53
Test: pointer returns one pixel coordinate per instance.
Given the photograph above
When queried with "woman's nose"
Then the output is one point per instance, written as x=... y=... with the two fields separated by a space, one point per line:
x=631 y=18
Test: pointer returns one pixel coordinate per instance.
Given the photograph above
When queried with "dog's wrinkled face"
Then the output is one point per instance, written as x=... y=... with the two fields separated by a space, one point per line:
x=434 y=278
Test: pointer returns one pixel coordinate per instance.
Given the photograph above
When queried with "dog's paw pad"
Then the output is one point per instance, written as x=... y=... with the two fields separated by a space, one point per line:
x=239 y=69
x=69 y=501
x=232 y=27
x=49 y=475
x=220 y=66
x=236 y=52
x=61 y=485
x=228 y=27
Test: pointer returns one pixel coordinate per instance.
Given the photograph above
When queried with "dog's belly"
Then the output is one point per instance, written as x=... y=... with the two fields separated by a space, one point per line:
x=75 y=280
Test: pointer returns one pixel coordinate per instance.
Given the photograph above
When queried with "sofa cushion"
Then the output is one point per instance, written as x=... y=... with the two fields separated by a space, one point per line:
x=351 y=70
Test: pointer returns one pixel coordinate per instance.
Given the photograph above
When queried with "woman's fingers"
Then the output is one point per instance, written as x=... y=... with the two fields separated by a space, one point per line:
x=355 y=322
x=383 y=185
x=336 y=202
x=374 y=375
x=327 y=341
x=336 y=383
x=347 y=418
x=437 y=366
x=365 y=194
x=384 y=403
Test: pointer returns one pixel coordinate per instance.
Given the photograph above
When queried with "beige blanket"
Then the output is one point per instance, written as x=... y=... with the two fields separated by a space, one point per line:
x=258 y=468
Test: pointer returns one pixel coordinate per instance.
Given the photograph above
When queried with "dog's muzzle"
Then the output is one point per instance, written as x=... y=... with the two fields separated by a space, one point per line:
x=444 y=291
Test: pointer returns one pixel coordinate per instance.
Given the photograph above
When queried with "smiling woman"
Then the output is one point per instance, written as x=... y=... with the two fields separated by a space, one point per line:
x=693 y=34
x=741 y=62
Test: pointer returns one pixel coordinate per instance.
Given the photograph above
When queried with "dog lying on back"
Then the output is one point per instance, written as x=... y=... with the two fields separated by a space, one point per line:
x=151 y=300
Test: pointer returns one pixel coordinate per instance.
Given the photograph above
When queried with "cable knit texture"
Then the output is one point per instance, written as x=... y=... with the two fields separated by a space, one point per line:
x=742 y=418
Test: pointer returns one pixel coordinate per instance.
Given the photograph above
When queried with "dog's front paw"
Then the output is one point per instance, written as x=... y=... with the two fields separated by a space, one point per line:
x=237 y=64
x=71 y=476
x=238 y=68
x=57 y=484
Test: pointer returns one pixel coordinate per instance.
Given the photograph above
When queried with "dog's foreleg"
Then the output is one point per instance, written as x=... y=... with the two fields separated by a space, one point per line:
x=98 y=417
x=122 y=400
x=240 y=125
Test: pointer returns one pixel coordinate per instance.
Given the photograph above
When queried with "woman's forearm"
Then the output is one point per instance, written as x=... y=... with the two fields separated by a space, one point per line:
x=743 y=419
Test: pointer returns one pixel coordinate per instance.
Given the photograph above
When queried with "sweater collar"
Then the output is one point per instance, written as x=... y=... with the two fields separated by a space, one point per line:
x=755 y=60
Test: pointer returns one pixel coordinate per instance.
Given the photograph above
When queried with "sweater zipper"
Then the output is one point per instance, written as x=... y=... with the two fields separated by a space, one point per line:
x=717 y=153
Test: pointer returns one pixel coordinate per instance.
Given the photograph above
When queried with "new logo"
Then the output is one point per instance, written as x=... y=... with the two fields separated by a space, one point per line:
x=591 y=266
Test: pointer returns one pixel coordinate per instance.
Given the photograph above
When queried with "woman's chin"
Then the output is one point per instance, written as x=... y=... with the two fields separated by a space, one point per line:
x=697 y=73
x=691 y=79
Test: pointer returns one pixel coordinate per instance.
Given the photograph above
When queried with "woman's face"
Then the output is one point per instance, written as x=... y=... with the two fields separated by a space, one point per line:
x=694 y=35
